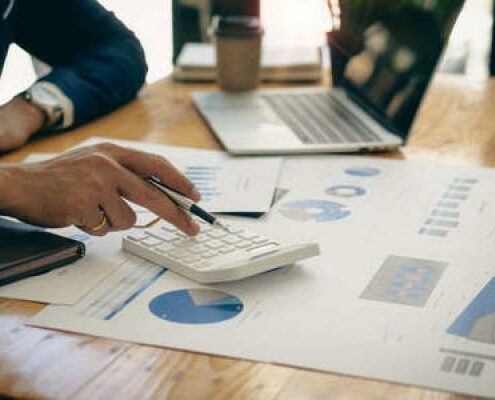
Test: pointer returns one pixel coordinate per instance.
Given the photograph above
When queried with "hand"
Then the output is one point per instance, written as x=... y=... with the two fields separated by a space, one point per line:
x=18 y=121
x=77 y=187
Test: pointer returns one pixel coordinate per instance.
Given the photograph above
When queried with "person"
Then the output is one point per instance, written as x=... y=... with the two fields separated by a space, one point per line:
x=95 y=65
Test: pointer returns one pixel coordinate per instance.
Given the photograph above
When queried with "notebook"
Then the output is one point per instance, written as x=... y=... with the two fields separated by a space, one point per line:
x=26 y=250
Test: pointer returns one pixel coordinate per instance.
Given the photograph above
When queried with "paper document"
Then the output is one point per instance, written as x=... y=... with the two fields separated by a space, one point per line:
x=403 y=290
x=197 y=62
x=227 y=184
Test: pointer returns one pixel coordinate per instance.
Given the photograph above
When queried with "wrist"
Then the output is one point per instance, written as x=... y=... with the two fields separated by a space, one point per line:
x=31 y=118
x=9 y=195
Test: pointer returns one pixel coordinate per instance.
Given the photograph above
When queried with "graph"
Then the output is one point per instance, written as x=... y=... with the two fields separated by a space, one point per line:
x=205 y=179
x=477 y=321
x=196 y=306
x=405 y=280
x=445 y=216
x=136 y=278
x=362 y=171
x=314 y=210
x=345 y=191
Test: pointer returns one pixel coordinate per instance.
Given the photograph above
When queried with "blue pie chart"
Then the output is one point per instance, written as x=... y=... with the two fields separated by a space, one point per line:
x=196 y=306
x=315 y=210
x=362 y=171
x=345 y=191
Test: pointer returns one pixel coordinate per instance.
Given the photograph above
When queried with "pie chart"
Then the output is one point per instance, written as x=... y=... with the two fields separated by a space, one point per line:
x=314 y=210
x=362 y=171
x=196 y=306
x=345 y=191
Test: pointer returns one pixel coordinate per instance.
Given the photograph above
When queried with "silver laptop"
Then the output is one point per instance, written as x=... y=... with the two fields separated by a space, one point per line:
x=381 y=68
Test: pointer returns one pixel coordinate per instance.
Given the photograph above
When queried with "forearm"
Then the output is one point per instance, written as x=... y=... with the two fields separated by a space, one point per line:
x=21 y=116
x=97 y=63
x=9 y=188
x=18 y=121
x=102 y=78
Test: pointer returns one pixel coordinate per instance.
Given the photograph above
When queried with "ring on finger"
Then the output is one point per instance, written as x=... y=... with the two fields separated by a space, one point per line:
x=102 y=224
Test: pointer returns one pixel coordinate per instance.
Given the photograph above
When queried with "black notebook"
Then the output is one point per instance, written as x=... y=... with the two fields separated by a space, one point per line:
x=26 y=250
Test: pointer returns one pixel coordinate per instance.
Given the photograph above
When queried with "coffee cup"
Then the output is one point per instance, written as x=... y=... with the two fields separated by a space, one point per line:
x=238 y=52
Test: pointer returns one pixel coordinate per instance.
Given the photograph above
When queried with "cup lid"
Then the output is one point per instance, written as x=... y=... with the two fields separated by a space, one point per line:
x=238 y=26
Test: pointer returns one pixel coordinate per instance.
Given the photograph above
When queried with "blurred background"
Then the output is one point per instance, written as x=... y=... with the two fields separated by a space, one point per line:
x=286 y=24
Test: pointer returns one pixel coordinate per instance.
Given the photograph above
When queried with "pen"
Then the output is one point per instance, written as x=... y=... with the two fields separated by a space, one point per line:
x=185 y=203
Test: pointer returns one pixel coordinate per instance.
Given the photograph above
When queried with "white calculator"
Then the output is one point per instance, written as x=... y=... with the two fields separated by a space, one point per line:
x=216 y=254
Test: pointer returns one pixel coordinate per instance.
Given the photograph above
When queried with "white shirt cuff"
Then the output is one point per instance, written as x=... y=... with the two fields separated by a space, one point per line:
x=64 y=102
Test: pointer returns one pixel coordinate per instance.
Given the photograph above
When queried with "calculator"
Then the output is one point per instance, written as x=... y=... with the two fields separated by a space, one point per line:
x=217 y=254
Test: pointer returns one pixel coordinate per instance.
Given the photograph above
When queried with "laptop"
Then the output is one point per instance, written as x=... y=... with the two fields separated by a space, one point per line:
x=383 y=55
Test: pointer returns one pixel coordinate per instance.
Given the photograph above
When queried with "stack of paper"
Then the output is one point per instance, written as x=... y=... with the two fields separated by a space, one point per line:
x=197 y=61
x=404 y=289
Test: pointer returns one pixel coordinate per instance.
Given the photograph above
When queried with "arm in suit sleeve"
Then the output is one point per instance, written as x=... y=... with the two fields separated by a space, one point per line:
x=97 y=63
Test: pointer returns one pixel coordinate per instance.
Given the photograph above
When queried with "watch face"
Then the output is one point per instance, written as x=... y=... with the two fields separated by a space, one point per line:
x=46 y=101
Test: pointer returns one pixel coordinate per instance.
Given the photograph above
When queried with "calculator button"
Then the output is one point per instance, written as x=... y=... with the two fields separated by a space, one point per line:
x=259 y=240
x=208 y=254
x=231 y=240
x=233 y=229
x=151 y=242
x=201 y=238
x=226 y=249
x=263 y=250
x=166 y=236
x=214 y=244
x=217 y=234
x=177 y=253
x=243 y=245
x=137 y=236
x=206 y=228
x=199 y=248
x=164 y=248
x=247 y=235
x=187 y=244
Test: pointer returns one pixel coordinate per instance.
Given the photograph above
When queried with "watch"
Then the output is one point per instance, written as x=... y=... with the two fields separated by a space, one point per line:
x=47 y=102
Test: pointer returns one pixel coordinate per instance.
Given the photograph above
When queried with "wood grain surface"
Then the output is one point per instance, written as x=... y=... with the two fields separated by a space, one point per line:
x=456 y=125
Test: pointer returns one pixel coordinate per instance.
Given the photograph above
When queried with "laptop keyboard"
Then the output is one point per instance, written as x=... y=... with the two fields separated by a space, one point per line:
x=320 y=118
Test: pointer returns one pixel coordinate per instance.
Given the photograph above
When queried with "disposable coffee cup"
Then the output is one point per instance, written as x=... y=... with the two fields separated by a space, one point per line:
x=238 y=52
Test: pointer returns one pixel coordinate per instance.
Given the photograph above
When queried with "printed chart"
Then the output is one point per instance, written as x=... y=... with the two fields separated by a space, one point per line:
x=314 y=210
x=135 y=278
x=205 y=179
x=362 y=171
x=477 y=321
x=445 y=216
x=196 y=306
x=345 y=191
x=405 y=280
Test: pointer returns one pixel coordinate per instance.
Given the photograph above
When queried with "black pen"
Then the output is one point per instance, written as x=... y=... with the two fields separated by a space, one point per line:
x=185 y=203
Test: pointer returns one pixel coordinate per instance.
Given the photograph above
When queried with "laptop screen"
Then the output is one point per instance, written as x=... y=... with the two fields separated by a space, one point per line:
x=384 y=53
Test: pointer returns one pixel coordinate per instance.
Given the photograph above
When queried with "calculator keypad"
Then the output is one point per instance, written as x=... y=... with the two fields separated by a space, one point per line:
x=212 y=245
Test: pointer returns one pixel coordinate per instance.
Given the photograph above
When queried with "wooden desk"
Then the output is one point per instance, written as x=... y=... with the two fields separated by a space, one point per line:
x=456 y=124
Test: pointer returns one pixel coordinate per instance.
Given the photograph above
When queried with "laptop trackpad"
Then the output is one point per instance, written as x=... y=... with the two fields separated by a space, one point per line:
x=251 y=128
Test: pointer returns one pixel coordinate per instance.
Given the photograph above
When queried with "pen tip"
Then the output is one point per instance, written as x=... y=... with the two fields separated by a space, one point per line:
x=221 y=225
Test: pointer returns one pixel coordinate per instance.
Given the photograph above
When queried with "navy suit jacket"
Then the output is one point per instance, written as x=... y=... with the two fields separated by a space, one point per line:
x=97 y=63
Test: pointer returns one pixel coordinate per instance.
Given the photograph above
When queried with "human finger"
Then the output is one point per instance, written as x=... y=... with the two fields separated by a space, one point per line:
x=138 y=191
x=120 y=215
x=96 y=224
x=145 y=164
